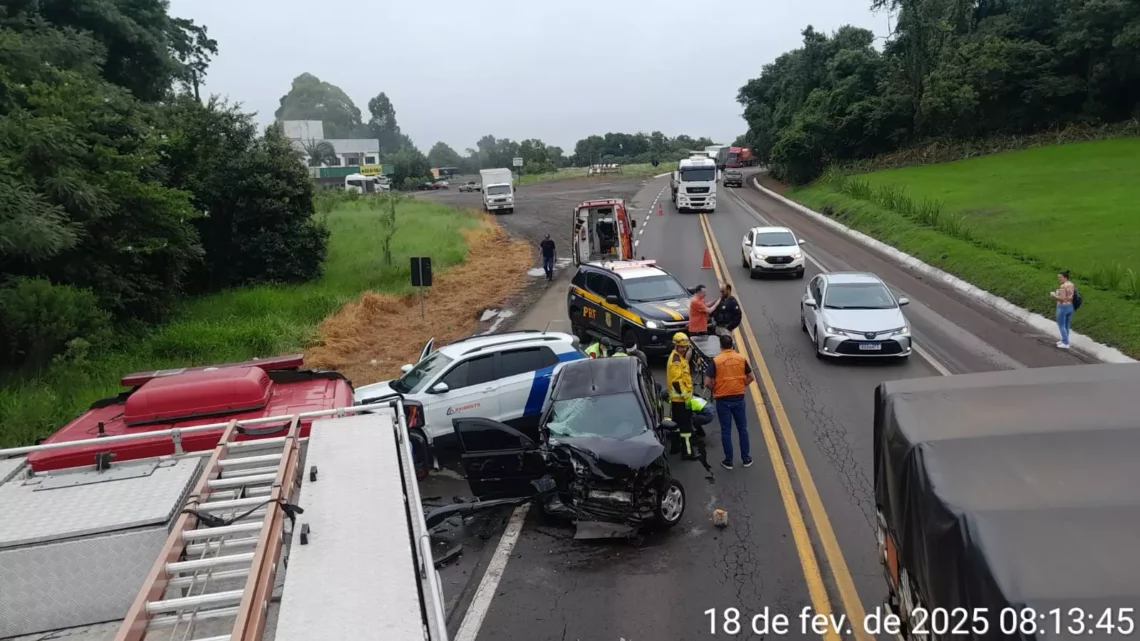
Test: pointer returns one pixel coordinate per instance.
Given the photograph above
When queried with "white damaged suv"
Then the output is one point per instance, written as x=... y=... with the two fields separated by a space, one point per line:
x=772 y=250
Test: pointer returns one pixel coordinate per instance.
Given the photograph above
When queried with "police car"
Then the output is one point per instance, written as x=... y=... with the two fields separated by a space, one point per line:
x=629 y=299
x=504 y=377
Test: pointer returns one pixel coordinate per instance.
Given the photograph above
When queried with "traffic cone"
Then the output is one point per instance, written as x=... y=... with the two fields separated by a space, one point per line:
x=659 y=212
x=707 y=262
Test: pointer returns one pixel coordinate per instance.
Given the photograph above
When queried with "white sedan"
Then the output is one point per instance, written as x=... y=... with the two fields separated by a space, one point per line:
x=854 y=314
x=772 y=250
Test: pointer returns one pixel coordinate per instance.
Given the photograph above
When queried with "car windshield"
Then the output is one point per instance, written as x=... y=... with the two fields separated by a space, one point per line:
x=663 y=287
x=424 y=371
x=858 y=296
x=616 y=416
x=499 y=190
x=698 y=174
x=774 y=239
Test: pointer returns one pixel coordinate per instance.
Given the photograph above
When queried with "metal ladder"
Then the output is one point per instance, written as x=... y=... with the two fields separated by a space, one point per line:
x=215 y=574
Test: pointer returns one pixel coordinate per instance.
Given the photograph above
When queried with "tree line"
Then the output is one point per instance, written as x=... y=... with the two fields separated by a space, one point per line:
x=310 y=98
x=949 y=70
x=120 y=191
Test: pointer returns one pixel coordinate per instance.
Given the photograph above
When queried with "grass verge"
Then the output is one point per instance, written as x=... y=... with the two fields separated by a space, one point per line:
x=644 y=170
x=243 y=323
x=923 y=229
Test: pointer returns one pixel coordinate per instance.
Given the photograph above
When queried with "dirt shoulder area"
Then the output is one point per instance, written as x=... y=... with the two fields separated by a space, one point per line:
x=368 y=340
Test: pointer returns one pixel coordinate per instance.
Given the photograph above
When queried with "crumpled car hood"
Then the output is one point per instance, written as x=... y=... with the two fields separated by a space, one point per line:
x=614 y=459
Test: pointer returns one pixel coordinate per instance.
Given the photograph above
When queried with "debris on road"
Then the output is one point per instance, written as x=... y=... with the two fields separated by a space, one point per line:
x=720 y=518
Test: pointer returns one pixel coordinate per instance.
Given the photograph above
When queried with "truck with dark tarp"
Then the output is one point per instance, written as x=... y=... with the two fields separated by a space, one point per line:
x=1008 y=503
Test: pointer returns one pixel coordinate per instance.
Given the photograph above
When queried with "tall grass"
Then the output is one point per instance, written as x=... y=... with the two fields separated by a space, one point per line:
x=243 y=323
x=926 y=211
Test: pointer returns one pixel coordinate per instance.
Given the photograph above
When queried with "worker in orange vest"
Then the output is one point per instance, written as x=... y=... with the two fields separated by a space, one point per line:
x=728 y=376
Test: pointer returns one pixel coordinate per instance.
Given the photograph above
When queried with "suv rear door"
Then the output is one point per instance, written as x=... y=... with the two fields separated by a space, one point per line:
x=471 y=386
x=524 y=379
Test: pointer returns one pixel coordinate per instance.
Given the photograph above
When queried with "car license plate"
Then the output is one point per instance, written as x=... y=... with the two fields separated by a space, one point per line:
x=870 y=347
x=781 y=266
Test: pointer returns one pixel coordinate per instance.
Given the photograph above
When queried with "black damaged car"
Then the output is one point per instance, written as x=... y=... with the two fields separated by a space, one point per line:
x=600 y=458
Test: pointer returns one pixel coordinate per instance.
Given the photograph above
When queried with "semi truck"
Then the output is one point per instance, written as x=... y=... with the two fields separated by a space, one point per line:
x=693 y=185
x=738 y=157
x=719 y=153
x=498 y=190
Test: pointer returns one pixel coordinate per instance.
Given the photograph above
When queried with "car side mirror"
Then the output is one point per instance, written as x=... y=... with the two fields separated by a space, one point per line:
x=613 y=300
x=810 y=303
x=802 y=241
x=748 y=243
x=904 y=301
x=440 y=388
x=667 y=425
x=527 y=444
x=406 y=368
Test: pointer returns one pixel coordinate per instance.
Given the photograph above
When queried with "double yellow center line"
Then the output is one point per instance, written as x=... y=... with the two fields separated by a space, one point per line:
x=812 y=574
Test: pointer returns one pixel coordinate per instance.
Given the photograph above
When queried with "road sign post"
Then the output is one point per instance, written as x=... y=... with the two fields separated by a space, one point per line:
x=518 y=163
x=421 y=277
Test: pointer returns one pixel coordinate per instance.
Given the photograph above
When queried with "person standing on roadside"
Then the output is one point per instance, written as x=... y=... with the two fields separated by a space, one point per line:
x=728 y=376
x=699 y=310
x=548 y=256
x=1064 y=295
x=728 y=314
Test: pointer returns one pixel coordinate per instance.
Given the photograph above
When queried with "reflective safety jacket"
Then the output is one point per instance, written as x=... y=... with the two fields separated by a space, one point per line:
x=594 y=350
x=678 y=379
x=696 y=404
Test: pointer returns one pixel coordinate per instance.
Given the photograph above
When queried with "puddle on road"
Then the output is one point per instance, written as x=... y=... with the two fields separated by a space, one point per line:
x=561 y=263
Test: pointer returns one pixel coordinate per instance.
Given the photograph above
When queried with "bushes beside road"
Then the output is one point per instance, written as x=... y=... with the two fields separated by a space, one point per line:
x=1008 y=222
x=245 y=322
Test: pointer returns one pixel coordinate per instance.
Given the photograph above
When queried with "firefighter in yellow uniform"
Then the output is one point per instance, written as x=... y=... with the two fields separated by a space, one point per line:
x=679 y=381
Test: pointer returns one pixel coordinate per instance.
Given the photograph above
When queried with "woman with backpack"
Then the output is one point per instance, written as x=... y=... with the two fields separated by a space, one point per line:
x=1068 y=300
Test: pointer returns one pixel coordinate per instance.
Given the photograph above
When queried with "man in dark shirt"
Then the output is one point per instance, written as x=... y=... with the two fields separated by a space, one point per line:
x=728 y=315
x=548 y=254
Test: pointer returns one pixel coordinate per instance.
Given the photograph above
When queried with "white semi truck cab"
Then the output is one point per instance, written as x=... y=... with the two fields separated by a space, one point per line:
x=498 y=190
x=694 y=185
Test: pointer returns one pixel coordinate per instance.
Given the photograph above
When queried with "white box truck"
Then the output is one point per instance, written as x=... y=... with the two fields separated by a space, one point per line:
x=498 y=190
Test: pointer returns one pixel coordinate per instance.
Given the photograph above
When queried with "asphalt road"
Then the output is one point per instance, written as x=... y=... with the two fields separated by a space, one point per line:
x=800 y=531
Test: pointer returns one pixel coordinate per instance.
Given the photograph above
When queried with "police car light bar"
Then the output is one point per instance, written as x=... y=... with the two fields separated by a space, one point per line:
x=631 y=264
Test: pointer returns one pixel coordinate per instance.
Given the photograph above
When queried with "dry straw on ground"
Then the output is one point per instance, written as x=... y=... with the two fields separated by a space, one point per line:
x=388 y=329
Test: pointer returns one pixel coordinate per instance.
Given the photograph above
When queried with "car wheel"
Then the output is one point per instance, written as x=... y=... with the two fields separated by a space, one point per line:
x=580 y=332
x=421 y=453
x=818 y=346
x=743 y=259
x=803 y=323
x=753 y=274
x=800 y=274
x=670 y=503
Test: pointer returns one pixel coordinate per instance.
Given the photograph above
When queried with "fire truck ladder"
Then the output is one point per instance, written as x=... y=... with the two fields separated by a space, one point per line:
x=220 y=560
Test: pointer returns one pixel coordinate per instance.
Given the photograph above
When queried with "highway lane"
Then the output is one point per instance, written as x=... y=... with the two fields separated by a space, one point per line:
x=829 y=404
x=557 y=588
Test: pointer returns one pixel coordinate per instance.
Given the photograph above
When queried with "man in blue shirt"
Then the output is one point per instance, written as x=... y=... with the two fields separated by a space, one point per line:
x=548 y=254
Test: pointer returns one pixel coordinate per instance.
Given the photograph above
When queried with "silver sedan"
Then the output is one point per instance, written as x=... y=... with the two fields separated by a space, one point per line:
x=854 y=314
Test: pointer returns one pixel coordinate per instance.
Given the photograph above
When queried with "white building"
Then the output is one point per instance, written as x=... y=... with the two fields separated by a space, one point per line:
x=350 y=152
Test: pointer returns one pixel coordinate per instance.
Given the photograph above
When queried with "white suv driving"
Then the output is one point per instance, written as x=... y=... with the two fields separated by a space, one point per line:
x=503 y=377
x=772 y=250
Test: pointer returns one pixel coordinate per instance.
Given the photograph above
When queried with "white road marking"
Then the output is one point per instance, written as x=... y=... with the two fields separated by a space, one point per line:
x=636 y=243
x=925 y=355
x=481 y=602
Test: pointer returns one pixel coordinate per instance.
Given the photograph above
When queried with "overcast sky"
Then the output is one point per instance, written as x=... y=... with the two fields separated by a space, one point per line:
x=557 y=70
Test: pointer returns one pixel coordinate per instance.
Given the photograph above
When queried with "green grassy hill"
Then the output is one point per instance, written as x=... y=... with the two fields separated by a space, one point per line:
x=1008 y=222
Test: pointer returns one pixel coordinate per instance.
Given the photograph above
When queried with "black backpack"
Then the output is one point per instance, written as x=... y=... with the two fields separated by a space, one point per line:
x=1076 y=299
